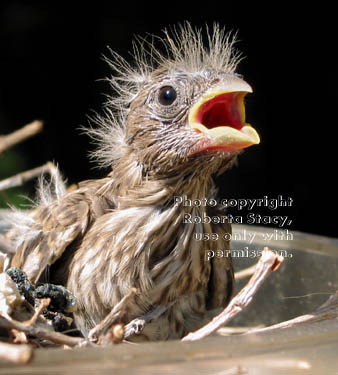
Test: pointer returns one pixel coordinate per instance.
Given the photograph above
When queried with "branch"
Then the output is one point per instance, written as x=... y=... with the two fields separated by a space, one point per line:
x=31 y=328
x=23 y=177
x=329 y=310
x=246 y=272
x=111 y=318
x=19 y=354
x=268 y=263
x=41 y=332
x=7 y=141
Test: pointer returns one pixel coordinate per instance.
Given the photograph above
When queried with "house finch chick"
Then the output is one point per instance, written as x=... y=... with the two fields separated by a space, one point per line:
x=177 y=119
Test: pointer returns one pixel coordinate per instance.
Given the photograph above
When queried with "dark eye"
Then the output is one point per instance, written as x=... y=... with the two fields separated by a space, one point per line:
x=167 y=95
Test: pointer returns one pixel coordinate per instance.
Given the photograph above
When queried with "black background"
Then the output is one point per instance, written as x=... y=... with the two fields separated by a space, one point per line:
x=51 y=65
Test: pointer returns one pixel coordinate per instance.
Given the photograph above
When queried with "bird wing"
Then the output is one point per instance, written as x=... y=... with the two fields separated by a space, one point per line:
x=53 y=228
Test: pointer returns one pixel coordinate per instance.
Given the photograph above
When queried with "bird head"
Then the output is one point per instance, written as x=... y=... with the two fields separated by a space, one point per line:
x=181 y=111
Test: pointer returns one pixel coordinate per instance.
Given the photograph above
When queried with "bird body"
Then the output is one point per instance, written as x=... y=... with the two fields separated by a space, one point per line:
x=178 y=120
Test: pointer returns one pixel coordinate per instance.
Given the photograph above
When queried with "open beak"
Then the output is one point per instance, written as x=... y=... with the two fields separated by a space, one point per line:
x=220 y=115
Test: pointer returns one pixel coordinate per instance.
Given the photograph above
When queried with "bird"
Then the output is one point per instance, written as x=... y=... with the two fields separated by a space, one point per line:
x=175 y=120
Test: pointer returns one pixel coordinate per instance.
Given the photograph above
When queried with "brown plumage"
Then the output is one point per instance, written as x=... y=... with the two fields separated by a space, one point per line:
x=176 y=120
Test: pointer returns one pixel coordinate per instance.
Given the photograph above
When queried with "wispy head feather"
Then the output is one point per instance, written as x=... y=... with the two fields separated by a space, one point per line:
x=183 y=49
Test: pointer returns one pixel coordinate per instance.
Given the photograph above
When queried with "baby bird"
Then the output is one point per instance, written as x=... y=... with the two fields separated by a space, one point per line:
x=177 y=118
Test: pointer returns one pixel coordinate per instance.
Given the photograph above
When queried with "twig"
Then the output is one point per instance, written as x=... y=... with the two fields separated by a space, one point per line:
x=43 y=304
x=228 y=331
x=111 y=318
x=115 y=335
x=6 y=245
x=246 y=272
x=19 y=337
x=329 y=310
x=136 y=325
x=7 y=141
x=268 y=263
x=23 y=177
x=19 y=354
x=41 y=332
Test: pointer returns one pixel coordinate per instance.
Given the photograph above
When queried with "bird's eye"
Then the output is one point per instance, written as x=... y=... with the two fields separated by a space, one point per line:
x=167 y=95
